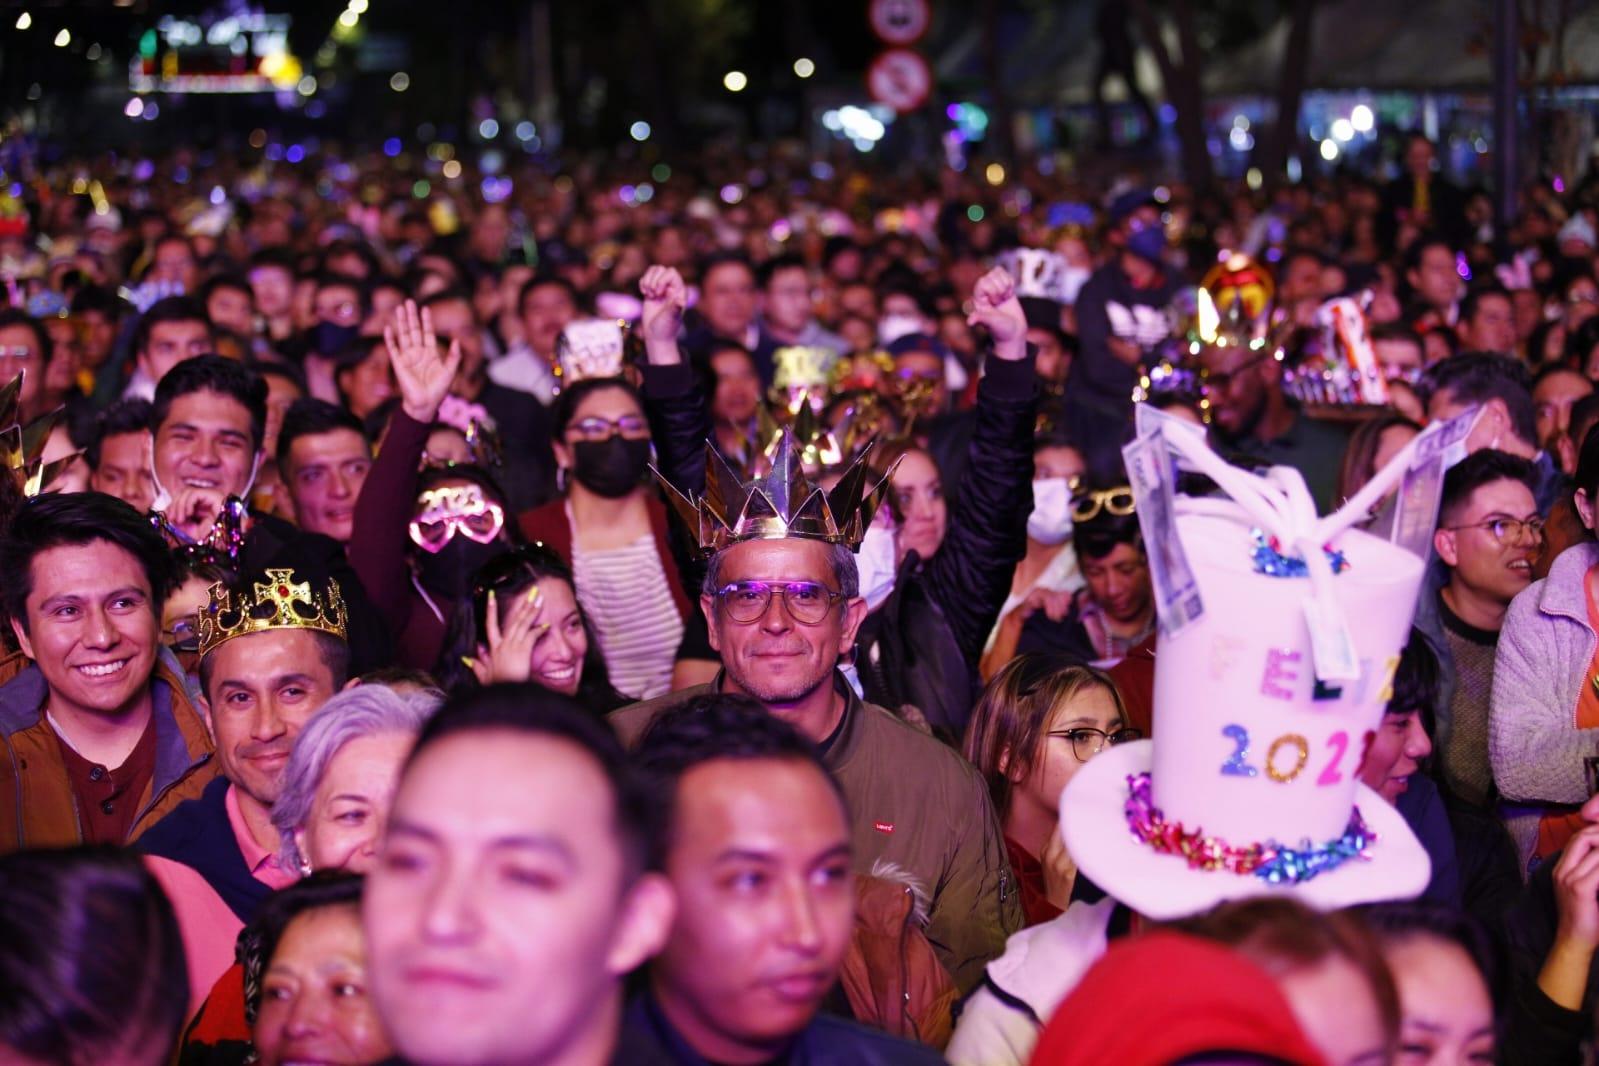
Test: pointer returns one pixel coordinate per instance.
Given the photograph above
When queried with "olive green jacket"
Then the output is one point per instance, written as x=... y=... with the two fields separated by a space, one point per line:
x=916 y=803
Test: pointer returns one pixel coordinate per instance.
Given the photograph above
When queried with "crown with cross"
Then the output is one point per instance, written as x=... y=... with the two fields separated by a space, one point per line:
x=275 y=602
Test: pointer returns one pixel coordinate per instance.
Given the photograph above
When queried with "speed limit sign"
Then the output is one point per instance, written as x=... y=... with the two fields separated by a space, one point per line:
x=900 y=78
x=899 y=22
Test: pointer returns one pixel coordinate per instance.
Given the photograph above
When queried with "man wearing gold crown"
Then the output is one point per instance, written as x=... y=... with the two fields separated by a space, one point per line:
x=783 y=605
x=272 y=650
x=100 y=736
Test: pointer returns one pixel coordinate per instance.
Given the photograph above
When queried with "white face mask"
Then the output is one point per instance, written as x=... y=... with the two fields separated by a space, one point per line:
x=163 y=498
x=1051 y=520
x=875 y=561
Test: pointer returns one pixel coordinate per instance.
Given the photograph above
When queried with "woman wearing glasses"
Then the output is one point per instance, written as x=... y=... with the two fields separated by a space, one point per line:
x=612 y=526
x=1038 y=721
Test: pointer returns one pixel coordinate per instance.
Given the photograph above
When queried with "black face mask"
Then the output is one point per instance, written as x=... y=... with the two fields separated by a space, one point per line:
x=447 y=573
x=330 y=338
x=611 y=468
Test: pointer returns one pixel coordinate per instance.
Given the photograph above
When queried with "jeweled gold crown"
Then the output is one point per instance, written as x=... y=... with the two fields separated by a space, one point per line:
x=783 y=503
x=278 y=602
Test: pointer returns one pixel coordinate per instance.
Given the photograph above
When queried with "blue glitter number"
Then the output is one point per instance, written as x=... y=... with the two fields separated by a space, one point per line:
x=1235 y=766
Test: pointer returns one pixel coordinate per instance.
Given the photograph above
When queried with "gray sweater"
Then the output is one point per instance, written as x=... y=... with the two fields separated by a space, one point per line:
x=1538 y=754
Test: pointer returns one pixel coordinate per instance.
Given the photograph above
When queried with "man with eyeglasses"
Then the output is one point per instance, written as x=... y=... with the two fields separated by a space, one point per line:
x=1489 y=533
x=1258 y=425
x=782 y=601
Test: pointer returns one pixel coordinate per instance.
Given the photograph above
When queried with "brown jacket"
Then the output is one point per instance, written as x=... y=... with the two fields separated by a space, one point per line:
x=891 y=974
x=915 y=803
x=37 y=809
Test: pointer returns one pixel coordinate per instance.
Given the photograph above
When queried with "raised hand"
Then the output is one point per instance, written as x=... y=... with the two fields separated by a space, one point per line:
x=994 y=304
x=509 y=654
x=665 y=297
x=422 y=373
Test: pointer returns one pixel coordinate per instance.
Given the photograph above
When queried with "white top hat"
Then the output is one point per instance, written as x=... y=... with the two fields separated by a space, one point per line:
x=1261 y=723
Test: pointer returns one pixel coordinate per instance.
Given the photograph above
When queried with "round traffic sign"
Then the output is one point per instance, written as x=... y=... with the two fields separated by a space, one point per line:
x=899 y=21
x=900 y=78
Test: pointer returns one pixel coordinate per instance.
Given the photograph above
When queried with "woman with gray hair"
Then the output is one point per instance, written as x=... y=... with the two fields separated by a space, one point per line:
x=330 y=815
x=341 y=776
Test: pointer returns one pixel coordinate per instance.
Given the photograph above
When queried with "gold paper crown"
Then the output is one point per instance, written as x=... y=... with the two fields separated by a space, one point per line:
x=22 y=447
x=779 y=505
x=279 y=602
x=817 y=446
x=797 y=369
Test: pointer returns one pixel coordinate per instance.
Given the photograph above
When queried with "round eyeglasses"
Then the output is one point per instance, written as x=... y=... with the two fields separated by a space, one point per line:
x=807 y=602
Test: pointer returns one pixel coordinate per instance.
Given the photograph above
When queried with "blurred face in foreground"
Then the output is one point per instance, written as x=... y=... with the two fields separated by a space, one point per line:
x=502 y=912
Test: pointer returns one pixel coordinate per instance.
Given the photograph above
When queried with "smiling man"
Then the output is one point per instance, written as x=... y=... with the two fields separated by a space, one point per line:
x=208 y=420
x=1489 y=534
x=98 y=737
x=782 y=602
x=209 y=423
x=272 y=650
x=758 y=852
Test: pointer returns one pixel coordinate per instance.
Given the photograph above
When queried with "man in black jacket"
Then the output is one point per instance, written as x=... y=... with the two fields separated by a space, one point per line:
x=1121 y=316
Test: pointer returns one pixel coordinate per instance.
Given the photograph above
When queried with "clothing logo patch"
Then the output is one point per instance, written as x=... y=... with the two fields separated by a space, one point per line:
x=883 y=827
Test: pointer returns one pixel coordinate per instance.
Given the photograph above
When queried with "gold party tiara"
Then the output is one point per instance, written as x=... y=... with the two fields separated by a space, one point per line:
x=783 y=503
x=279 y=602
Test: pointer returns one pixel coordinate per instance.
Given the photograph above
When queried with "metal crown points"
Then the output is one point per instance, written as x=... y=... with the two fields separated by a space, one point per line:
x=780 y=504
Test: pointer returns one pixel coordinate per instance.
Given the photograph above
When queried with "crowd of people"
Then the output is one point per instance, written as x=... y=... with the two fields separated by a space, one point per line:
x=571 y=620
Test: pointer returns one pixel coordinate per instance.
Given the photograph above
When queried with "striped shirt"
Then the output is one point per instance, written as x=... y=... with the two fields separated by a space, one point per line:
x=629 y=604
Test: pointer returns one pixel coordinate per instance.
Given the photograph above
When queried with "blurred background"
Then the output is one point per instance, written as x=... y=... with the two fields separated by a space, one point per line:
x=1204 y=88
